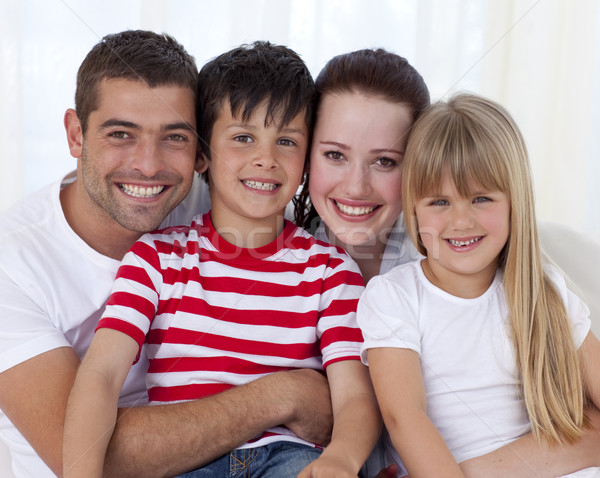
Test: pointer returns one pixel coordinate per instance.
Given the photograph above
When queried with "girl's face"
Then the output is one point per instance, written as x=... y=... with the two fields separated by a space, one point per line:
x=463 y=236
x=356 y=166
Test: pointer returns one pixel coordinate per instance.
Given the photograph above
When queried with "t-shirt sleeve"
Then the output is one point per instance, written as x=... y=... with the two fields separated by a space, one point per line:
x=27 y=331
x=578 y=311
x=134 y=297
x=387 y=317
x=338 y=332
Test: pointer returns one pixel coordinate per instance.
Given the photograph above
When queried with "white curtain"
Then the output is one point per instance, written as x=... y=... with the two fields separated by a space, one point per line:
x=540 y=59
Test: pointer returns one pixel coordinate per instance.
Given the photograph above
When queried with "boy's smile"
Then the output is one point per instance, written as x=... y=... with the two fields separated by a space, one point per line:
x=255 y=169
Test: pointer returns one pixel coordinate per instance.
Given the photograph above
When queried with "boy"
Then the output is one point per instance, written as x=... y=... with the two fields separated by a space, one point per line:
x=239 y=293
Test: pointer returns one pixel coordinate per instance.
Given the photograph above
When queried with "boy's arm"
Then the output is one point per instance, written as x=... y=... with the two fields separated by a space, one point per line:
x=398 y=383
x=92 y=407
x=356 y=422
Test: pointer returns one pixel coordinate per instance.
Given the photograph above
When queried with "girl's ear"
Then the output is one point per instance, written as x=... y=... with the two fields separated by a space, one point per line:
x=201 y=162
x=74 y=133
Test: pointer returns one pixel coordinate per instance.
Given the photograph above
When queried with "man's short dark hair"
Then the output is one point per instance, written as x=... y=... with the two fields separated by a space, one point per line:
x=249 y=76
x=138 y=55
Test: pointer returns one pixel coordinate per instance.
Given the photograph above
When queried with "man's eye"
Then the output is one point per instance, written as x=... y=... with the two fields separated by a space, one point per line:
x=177 y=137
x=119 y=134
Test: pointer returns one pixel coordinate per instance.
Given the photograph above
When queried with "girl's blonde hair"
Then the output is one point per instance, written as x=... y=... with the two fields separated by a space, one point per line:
x=475 y=139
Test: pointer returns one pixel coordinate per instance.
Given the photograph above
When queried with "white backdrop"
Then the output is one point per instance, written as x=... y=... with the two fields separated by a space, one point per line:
x=540 y=59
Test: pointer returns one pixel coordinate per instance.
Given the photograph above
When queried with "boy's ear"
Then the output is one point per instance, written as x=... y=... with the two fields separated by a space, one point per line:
x=74 y=133
x=201 y=162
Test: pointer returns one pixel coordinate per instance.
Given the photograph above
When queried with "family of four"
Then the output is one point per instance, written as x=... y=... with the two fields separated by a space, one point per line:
x=162 y=315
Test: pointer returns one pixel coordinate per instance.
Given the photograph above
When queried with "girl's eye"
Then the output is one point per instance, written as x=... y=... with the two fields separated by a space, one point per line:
x=481 y=199
x=439 y=202
x=386 y=162
x=334 y=155
x=286 y=142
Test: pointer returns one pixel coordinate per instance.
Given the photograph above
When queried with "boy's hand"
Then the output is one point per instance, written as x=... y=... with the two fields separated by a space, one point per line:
x=328 y=466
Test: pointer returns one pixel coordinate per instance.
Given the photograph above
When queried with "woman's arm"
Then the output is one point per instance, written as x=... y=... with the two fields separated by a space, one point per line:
x=92 y=407
x=398 y=382
x=356 y=422
x=526 y=458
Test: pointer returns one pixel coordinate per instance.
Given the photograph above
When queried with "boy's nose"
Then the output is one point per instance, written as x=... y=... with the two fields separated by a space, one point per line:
x=266 y=158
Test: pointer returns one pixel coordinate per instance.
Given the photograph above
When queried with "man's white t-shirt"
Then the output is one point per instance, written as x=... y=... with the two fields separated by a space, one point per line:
x=53 y=288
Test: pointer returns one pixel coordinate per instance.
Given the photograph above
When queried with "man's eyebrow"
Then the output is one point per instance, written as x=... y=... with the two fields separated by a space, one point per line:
x=129 y=124
x=117 y=122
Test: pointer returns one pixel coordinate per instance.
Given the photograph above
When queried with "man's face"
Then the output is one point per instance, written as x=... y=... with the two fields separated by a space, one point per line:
x=139 y=152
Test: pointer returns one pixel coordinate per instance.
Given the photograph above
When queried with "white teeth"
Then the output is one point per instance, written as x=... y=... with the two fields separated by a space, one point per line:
x=354 y=211
x=464 y=243
x=140 y=191
x=260 y=186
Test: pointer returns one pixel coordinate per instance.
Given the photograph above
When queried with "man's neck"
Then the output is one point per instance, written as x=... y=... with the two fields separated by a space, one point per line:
x=102 y=234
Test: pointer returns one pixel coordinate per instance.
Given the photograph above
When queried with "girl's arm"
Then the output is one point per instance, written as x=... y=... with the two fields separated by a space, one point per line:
x=398 y=382
x=92 y=406
x=526 y=458
x=356 y=422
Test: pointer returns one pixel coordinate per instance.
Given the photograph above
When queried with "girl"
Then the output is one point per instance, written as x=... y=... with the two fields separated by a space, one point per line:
x=483 y=342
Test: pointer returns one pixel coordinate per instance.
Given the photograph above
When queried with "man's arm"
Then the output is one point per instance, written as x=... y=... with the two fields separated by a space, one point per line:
x=164 y=440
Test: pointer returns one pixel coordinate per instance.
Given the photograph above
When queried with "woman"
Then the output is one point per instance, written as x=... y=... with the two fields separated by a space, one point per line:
x=367 y=103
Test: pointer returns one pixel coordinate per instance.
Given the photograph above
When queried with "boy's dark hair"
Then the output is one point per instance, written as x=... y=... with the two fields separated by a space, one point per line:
x=249 y=76
x=137 y=55
x=376 y=72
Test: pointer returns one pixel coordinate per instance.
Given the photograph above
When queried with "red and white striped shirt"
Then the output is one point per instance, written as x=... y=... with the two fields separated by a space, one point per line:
x=214 y=315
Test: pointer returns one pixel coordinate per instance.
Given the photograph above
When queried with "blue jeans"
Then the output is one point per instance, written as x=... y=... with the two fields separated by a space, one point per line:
x=282 y=459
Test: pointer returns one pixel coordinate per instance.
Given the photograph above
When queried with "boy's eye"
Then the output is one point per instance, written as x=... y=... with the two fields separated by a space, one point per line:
x=243 y=138
x=286 y=142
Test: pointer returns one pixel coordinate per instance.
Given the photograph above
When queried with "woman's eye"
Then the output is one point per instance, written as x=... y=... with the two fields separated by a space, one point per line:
x=334 y=155
x=385 y=162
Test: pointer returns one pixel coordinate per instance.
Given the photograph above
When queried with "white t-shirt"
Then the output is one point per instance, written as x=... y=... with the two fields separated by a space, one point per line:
x=53 y=288
x=467 y=360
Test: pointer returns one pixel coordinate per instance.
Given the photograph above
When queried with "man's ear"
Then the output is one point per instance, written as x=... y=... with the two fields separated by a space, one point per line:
x=74 y=133
x=201 y=162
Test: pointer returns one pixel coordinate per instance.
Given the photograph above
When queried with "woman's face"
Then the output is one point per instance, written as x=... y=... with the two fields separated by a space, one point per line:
x=356 y=166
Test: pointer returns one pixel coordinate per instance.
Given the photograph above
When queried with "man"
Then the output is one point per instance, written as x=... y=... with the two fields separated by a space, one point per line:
x=133 y=134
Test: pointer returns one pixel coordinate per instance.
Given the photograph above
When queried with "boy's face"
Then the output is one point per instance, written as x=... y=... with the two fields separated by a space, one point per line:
x=254 y=170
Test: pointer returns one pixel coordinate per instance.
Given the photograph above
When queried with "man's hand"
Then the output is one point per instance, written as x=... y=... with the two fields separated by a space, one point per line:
x=308 y=391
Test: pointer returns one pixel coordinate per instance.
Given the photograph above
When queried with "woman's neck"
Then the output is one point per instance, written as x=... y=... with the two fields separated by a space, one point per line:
x=367 y=256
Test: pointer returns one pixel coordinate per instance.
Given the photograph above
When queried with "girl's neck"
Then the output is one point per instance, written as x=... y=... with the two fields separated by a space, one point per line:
x=465 y=286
